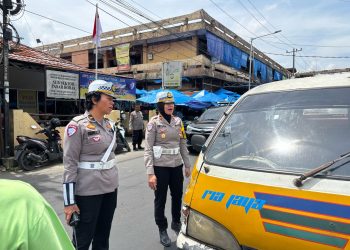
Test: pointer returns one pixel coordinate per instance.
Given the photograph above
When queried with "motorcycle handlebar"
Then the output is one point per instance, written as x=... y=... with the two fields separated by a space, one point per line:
x=40 y=132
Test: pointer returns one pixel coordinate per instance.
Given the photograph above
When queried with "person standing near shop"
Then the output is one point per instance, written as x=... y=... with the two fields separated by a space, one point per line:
x=165 y=155
x=136 y=125
x=90 y=178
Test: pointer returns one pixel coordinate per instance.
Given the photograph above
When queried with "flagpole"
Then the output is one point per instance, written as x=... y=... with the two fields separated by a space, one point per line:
x=96 y=62
x=96 y=59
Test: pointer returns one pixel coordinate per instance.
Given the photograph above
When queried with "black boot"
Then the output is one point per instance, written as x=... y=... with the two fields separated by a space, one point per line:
x=135 y=148
x=141 y=148
x=176 y=226
x=164 y=238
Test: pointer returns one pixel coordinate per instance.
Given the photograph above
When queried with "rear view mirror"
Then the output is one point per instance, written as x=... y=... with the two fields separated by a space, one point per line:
x=196 y=118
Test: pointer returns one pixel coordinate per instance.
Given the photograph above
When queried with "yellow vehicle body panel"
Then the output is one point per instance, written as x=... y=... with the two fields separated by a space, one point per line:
x=270 y=217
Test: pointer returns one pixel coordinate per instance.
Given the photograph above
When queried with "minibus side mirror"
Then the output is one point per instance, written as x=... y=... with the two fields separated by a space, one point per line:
x=197 y=142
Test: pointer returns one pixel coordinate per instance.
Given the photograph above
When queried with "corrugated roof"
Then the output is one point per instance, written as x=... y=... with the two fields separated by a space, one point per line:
x=24 y=53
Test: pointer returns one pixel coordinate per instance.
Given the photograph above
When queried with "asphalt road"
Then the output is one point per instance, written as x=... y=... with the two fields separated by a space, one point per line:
x=133 y=225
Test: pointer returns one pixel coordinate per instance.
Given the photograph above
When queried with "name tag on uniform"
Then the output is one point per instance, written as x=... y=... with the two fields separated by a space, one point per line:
x=95 y=132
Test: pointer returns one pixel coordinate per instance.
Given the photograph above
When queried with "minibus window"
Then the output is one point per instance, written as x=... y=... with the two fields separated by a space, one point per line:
x=289 y=132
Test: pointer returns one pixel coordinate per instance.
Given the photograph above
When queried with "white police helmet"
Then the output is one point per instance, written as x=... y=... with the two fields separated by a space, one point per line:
x=165 y=97
x=103 y=87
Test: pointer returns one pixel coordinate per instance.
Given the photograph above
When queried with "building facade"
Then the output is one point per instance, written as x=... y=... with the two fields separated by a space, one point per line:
x=212 y=56
x=45 y=86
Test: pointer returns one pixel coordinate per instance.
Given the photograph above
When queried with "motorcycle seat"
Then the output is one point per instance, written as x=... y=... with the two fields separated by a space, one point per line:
x=31 y=138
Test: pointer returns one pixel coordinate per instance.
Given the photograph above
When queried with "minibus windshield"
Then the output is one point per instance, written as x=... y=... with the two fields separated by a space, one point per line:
x=291 y=131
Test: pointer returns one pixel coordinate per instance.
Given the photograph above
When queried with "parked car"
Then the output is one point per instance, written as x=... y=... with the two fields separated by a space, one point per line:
x=275 y=172
x=203 y=125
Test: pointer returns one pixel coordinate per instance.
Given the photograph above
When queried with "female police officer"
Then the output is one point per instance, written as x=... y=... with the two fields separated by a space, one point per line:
x=90 y=178
x=165 y=154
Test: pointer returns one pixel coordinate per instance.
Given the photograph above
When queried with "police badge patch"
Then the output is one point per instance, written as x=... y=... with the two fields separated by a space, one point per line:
x=96 y=138
x=71 y=130
x=149 y=126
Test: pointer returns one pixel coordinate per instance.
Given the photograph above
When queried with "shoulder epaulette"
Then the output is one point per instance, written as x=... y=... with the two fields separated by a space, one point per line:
x=78 y=118
x=154 y=117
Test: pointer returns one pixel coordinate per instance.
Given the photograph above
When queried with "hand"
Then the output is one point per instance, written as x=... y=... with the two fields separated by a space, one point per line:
x=152 y=181
x=69 y=210
x=187 y=172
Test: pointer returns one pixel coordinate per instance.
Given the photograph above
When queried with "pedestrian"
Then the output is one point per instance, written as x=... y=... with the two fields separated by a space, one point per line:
x=90 y=173
x=136 y=125
x=27 y=221
x=165 y=155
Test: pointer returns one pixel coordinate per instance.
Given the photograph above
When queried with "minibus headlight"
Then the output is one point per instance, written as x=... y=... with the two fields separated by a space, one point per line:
x=208 y=231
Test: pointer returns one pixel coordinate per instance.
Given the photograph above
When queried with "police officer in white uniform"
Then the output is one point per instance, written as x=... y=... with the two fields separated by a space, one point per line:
x=90 y=178
x=165 y=155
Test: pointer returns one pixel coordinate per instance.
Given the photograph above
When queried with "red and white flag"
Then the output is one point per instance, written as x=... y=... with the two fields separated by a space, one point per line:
x=96 y=34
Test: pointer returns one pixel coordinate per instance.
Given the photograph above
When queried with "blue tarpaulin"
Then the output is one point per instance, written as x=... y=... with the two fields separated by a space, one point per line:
x=194 y=104
x=277 y=76
x=152 y=95
x=257 y=68
x=269 y=74
x=244 y=60
x=149 y=98
x=210 y=97
x=141 y=92
x=231 y=99
x=224 y=52
x=200 y=94
x=226 y=92
x=263 y=72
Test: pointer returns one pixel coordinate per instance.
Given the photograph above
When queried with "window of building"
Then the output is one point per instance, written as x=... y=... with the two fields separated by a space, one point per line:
x=136 y=55
x=112 y=60
x=92 y=60
x=13 y=99
x=68 y=57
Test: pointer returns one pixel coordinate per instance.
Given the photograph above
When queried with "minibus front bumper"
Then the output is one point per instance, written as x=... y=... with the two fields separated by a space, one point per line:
x=186 y=243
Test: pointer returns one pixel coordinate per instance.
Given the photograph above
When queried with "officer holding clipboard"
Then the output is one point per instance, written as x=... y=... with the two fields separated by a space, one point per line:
x=90 y=178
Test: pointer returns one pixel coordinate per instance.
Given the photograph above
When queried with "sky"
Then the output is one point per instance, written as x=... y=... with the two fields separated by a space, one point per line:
x=318 y=27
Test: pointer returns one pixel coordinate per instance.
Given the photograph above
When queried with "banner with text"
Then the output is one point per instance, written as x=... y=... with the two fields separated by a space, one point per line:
x=125 y=88
x=122 y=55
x=62 y=84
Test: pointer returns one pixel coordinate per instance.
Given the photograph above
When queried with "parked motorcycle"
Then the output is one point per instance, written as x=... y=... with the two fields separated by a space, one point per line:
x=122 y=143
x=33 y=152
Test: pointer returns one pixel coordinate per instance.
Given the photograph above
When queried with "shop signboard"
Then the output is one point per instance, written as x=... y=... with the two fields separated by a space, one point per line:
x=61 y=84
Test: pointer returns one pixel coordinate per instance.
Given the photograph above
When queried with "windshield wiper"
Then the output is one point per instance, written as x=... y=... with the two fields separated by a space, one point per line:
x=298 y=182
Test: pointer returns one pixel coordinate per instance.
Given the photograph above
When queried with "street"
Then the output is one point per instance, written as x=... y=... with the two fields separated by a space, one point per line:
x=133 y=225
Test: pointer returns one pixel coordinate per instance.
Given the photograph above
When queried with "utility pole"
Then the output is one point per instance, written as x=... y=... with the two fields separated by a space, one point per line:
x=6 y=37
x=294 y=51
x=251 y=54
x=7 y=9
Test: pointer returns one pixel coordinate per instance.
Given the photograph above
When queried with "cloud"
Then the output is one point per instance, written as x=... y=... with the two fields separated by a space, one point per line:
x=271 y=7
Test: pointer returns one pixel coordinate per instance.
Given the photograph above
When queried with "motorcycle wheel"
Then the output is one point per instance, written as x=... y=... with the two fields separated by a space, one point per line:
x=27 y=164
x=127 y=145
